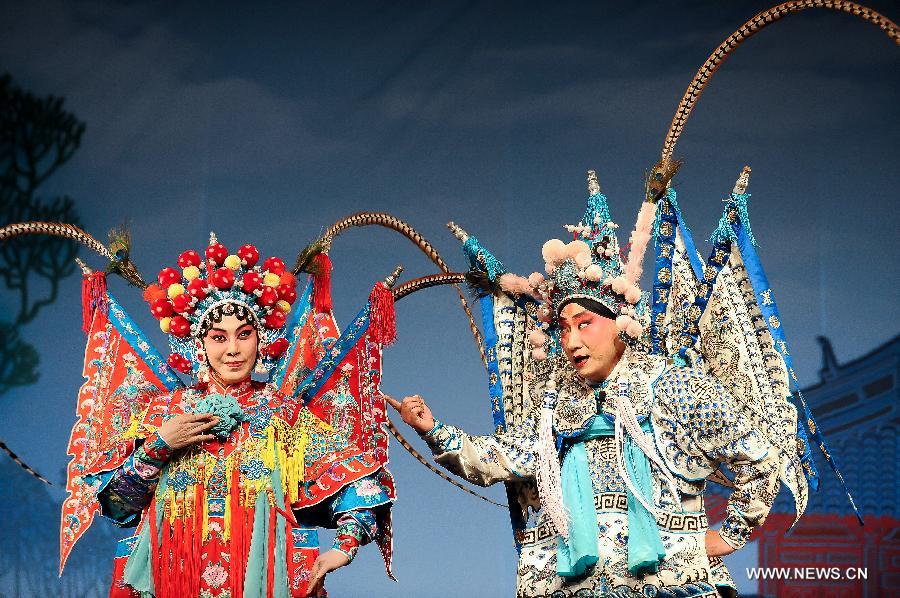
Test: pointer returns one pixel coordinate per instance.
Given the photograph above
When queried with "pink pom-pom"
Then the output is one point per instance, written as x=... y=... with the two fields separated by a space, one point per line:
x=593 y=273
x=539 y=354
x=512 y=283
x=634 y=330
x=583 y=260
x=622 y=323
x=632 y=295
x=619 y=284
x=535 y=279
x=554 y=251
x=537 y=338
x=573 y=248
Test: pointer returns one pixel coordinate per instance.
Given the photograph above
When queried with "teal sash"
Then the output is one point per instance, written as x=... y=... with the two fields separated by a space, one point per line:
x=575 y=555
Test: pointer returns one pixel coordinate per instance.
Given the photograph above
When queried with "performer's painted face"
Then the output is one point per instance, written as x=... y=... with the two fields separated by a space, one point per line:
x=231 y=347
x=590 y=341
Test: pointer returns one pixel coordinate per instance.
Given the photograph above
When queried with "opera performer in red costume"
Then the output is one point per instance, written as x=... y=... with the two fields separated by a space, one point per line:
x=227 y=479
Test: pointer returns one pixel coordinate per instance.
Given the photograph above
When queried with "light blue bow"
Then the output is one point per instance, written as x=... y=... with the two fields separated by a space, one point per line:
x=579 y=551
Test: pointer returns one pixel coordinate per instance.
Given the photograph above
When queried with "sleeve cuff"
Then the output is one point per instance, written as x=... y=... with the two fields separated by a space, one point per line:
x=735 y=532
x=443 y=438
x=430 y=434
x=154 y=450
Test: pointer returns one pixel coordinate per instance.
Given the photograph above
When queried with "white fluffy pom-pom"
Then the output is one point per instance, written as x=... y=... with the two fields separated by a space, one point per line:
x=539 y=354
x=573 y=248
x=593 y=273
x=583 y=260
x=632 y=295
x=634 y=329
x=537 y=338
x=535 y=279
x=619 y=284
x=511 y=283
x=554 y=251
x=622 y=323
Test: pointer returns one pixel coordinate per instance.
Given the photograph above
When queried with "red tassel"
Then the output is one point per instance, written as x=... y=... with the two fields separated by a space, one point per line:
x=93 y=297
x=199 y=498
x=177 y=570
x=382 y=315
x=165 y=559
x=270 y=561
x=322 y=284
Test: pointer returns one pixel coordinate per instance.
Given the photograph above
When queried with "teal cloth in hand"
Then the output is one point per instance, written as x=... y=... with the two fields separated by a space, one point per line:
x=226 y=408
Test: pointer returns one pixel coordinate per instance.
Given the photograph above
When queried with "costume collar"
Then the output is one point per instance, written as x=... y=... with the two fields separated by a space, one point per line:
x=237 y=389
x=577 y=404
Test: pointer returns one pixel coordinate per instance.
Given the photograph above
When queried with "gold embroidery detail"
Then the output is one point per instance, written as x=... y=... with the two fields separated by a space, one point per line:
x=665 y=229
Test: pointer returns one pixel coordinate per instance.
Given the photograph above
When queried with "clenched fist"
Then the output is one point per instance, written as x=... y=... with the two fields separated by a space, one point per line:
x=414 y=412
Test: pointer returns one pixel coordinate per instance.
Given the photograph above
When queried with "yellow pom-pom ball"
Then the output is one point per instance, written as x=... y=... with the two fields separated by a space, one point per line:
x=175 y=289
x=283 y=305
x=191 y=272
x=232 y=262
x=164 y=324
x=271 y=280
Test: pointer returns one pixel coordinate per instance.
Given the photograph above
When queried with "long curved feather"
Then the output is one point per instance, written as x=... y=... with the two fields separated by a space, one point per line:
x=24 y=465
x=747 y=30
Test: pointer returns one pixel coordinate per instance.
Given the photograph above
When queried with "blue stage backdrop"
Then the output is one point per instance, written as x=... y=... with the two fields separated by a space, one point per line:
x=267 y=122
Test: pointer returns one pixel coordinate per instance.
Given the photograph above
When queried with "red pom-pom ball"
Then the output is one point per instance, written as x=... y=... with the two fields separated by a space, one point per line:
x=197 y=289
x=168 y=276
x=275 y=319
x=177 y=362
x=251 y=281
x=288 y=279
x=277 y=347
x=161 y=308
x=179 y=326
x=182 y=303
x=223 y=278
x=249 y=255
x=274 y=265
x=154 y=292
x=287 y=293
x=189 y=258
x=269 y=296
x=216 y=253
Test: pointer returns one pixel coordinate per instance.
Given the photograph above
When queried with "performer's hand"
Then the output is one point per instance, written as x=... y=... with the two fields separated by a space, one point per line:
x=715 y=545
x=325 y=564
x=414 y=412
x=187 y=429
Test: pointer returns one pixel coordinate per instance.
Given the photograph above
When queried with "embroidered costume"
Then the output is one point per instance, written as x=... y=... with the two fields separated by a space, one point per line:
x=237 y=515
x=695 y=426
x=606 y=483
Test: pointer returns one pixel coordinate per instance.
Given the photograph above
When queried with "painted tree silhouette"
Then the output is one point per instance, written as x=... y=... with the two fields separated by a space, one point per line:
x=37 y=136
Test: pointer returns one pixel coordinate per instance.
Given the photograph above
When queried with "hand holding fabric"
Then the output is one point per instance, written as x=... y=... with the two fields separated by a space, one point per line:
x=187 y=429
